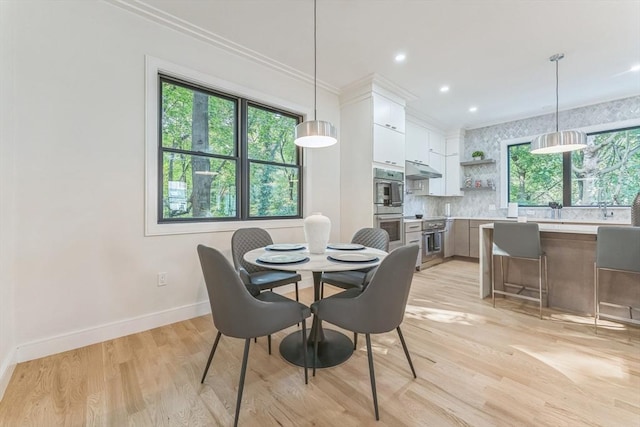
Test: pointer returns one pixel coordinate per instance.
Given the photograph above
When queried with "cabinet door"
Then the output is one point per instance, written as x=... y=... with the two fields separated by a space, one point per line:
x=461 y=237
x=388 y=113
x=452 y=176
x=415 y=238
x=448 y=239
x=437 y=143
x=436 y=185
x=416 y=143
x=388 y=146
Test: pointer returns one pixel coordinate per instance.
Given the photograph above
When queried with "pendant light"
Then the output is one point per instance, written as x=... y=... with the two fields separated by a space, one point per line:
x=315 y=133
x=558 y=142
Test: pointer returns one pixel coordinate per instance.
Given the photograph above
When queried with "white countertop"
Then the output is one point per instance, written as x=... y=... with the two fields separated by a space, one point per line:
x=549 y=220
x=410 y=220
x=561 y=228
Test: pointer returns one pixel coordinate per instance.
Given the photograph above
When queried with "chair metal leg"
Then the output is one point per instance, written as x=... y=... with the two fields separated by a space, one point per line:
x=406 y=351
x=243 y=371
x=321 y=290
x=269 y=343
x=372 y=375
x=297 y=292
x=493 y=280
x=540 y=284
x=213 y=350
x=304 y=350
x=315 y=343
x=355 y=340
x=596 y=306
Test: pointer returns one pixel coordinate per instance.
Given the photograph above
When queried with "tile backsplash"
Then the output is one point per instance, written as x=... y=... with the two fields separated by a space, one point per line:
x=488 y=139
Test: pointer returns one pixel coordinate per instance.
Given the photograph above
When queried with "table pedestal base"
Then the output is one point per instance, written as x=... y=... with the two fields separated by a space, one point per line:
x=333 y=350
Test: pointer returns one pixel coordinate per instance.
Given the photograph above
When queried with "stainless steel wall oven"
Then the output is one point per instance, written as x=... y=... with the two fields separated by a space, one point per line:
x=394 y=225
x=388 y=192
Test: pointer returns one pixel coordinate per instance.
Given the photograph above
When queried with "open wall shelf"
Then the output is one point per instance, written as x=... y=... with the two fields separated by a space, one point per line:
x=477 y=162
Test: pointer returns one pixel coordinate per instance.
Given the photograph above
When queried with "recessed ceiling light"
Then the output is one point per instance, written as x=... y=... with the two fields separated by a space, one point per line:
x=473 y=109
x=635 y=68
x=400 y=57
x=444 y=89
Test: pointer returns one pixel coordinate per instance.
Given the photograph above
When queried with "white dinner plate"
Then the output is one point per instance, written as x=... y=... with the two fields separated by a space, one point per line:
x=345 y=246
x=285 y=247
x=353 y=257
x=282 y=258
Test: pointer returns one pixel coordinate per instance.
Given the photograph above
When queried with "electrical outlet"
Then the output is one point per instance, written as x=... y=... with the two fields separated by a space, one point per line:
x=492 y=207
x=531 y=213
x=163 y=279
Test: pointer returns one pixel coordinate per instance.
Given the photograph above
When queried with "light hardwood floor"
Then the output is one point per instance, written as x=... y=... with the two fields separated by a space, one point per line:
x=476 y=366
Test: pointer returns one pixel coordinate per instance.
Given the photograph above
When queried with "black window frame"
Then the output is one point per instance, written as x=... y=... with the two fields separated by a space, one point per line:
x=566 y=170
x=241 y=155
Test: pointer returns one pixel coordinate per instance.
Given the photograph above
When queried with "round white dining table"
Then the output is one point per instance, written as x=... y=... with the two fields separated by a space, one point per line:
x=333 y=347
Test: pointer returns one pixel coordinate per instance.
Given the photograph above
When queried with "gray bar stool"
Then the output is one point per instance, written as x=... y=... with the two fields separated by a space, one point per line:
x=520 y=241
x=617 y=249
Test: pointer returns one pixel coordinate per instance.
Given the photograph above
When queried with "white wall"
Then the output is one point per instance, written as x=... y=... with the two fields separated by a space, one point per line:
x=83 y=269
x=7 y=215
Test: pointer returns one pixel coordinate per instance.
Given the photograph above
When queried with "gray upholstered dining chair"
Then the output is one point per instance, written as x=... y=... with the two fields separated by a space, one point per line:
x=520 y=241
x=371 y=237
x=236 y=313
x=258 y=278
x=617 y=250
x=379 y=308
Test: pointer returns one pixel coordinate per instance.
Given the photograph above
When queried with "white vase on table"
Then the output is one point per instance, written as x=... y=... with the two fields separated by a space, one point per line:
x=317 y=228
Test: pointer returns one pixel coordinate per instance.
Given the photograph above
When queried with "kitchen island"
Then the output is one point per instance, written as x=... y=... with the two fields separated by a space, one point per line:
x=571 y=253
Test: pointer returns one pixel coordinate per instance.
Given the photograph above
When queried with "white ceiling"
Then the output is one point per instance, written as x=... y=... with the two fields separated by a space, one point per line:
x=494 y=54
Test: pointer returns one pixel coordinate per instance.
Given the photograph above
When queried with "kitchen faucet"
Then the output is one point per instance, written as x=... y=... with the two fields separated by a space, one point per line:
x=603 y=209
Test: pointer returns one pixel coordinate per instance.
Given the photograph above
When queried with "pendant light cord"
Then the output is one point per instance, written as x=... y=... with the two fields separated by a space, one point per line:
x=315 y=62
x=557 y=97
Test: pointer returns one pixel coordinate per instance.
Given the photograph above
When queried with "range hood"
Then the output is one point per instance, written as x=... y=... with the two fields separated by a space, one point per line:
x=415 y=170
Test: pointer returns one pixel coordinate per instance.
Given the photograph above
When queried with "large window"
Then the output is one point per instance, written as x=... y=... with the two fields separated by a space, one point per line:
x=608 y=170
x=224 y=158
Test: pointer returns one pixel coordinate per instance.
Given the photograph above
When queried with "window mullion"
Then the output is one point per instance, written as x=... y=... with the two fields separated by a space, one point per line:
x=244 y=159
x=566 y=178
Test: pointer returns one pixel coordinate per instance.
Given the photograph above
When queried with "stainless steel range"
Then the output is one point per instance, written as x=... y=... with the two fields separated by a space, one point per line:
x=433 y=240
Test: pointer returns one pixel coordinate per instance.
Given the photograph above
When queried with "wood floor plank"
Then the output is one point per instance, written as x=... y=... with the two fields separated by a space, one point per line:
x=476 y=366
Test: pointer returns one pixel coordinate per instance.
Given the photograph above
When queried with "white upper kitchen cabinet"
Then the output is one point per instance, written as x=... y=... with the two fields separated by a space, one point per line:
x=416 y=143
x=453 y=181
x=437 y=185
x=388 y=113
x=388 y=146
x=437 y=143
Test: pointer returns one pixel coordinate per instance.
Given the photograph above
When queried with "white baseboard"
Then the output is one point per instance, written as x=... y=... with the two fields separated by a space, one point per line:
x=6 y=370
x=83 y=337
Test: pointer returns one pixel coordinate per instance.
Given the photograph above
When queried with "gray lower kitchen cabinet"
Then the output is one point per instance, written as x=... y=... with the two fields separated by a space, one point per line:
x=461 y=237
x=448 y=239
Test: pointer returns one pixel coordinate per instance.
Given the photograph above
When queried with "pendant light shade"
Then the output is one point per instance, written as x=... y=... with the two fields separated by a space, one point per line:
x=558 y=141
x=315 y=133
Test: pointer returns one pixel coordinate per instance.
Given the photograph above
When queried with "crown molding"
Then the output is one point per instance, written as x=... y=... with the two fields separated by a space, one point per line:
x=173 y=22
x=376 y=83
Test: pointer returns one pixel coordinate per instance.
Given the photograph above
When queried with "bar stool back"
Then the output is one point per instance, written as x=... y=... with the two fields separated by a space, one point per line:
x=521 y=241
x=617 y=249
